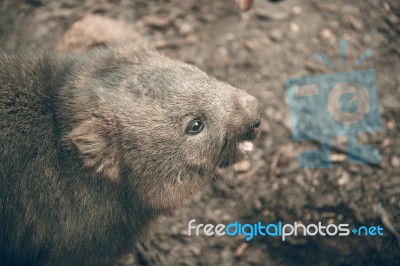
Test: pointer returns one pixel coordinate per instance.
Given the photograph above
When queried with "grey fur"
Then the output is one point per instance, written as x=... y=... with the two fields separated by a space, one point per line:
x=94 y=147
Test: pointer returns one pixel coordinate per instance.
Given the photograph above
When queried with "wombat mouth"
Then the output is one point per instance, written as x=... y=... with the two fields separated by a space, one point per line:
x=235 y=150
x=235 y=154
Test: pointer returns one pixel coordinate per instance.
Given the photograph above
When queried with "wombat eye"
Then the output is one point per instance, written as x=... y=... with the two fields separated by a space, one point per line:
x=194 y=127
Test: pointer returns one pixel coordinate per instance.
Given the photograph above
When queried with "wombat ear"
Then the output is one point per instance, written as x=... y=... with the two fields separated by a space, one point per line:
x=92 y=140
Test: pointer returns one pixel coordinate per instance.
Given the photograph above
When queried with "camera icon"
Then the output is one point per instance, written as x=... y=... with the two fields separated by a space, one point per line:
x=339 y=104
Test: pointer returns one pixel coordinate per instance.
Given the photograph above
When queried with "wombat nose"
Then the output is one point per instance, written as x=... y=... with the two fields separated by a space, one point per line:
x=252 y=121
x=252 y=132
x=252 y=106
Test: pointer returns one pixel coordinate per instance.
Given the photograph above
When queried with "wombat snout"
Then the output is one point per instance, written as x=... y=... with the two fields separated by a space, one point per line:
x=243 y=127
x=253 y=118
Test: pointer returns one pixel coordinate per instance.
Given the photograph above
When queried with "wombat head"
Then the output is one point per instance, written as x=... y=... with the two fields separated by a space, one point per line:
x=161 y=126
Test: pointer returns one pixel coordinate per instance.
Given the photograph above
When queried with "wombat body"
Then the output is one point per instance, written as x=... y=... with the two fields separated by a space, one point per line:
x=93 y=147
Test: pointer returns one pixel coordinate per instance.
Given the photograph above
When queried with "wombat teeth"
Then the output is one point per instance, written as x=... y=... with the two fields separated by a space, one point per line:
x=246 y=146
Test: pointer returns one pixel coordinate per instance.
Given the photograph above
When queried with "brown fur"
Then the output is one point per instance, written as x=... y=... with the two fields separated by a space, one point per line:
x=96 y=146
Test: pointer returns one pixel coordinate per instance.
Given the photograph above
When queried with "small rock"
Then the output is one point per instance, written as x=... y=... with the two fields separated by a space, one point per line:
x=127 y=259
x=185 y=28
x=355 y=23
x=250 y=45
x=386 y=142
x=195 y=249
x=208 y=17
x=265 y=40
x=395 y=161
x=191 y=39
x=294 y=27
x=258 y=204
x=276 y=35
x=326 y=34
x=386 y=6
x=344 y=179
x=278 y=15
x=158 y=22
x=391 y=124
x=241 y=248
x=165 y=44
x=296 y=10
x=338 y=157
x=262 y=14
x=242 y=166
x=95 y=30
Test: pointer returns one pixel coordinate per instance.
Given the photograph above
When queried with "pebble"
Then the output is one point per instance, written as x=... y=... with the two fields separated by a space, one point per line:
x=127 y=259
x=386 y=6
x=326 y=34
x=258 y=204
x=386 y=142
x=185 y=28
x=242 y=166
x=344 y=179
x=296 y=10
x=265 y=40
x=276 y=35
x=195 y=249
x=391 y=124
x=355 y=23
x=395 y=161
x=94 y=30
x=250 y=45
x=191 y=39
x=157 y=21
x=241 y=248
x=294 y=27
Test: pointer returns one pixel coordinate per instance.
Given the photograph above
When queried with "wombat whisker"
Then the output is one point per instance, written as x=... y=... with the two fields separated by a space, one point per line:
x=224 y=152
x=231 y=176
x=179 y=178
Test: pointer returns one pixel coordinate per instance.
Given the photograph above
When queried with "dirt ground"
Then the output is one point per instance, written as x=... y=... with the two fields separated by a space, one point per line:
x=256 y=51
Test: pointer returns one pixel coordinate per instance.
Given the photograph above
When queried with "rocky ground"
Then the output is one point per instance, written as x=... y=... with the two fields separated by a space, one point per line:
x=257 y=51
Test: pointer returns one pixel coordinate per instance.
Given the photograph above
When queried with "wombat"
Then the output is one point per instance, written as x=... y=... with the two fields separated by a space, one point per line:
x=93 y=147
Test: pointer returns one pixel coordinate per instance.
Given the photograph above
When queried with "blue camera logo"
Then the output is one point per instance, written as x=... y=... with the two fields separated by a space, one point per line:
x=339 y=104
